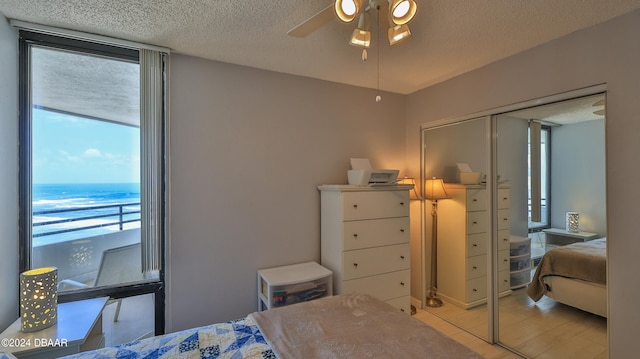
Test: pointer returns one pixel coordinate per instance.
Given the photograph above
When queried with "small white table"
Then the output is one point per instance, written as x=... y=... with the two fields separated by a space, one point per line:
x=553 y=234
x=79 y=328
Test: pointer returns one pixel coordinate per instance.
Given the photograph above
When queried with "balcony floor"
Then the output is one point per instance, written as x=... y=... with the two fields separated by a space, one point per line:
x=136 y=320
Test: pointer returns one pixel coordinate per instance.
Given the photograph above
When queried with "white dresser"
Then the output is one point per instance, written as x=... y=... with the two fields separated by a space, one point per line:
x=365 y=240
x=463 y=242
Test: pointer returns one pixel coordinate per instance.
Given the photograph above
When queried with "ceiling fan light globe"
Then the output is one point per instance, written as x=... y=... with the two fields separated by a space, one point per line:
x=361 y=38
x=399 y=34
x=347 y=10
x=402 y=11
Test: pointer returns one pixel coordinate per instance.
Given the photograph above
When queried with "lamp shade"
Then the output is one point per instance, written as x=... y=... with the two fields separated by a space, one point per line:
x=361 y=35
x=434 y=189
x=402 y=11
x=347 y=10
x=399 y=34
x=38 y=298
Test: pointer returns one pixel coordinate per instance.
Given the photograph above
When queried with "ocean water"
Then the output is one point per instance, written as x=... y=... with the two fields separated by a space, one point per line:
x=84 y=197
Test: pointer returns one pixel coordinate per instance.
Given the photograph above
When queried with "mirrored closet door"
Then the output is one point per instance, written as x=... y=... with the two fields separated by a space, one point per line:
x=462 y=223
x=541 y=168
x=553 y=158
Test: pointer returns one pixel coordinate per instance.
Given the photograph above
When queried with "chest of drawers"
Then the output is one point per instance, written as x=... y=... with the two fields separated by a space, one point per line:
x=463 y=244
x=365 y=240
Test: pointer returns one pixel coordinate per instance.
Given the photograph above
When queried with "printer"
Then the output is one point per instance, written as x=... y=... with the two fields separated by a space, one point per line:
x=362 y=174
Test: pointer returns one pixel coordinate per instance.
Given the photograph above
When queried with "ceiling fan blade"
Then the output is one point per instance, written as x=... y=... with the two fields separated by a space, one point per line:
x=313 y=23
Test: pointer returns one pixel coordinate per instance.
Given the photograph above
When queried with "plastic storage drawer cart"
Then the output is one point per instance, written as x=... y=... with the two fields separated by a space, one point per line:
x=291 y=284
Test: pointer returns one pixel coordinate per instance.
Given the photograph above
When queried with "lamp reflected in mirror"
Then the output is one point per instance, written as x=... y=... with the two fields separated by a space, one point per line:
x=434 y=191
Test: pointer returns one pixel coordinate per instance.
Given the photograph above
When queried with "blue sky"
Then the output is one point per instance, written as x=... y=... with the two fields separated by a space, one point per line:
x=68 y=149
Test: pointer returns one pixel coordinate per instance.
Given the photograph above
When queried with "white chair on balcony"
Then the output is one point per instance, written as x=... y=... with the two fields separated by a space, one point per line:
x=118 y=265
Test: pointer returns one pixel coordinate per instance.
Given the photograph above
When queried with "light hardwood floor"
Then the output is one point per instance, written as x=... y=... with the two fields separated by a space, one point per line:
x=546 y=329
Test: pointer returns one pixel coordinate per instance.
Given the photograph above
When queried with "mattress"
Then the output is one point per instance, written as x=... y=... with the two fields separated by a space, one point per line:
x=346 y=326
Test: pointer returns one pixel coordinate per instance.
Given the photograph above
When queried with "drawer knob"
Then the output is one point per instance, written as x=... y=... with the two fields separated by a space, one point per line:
x=505 y=260
x=402 y=230
x=475 y=245
x=475 y=200
x=475 y=222
x=355 y=206
x=355 y=235
x=475 y=290
x=505 y=198
x=402 y=310
x=402 y=284
x=355 y=265
x=506 y=281
x=474 y=267
x=402 y=203
x=402 y=257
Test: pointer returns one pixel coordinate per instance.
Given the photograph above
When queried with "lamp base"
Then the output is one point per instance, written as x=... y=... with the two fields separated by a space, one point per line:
x=434 y=302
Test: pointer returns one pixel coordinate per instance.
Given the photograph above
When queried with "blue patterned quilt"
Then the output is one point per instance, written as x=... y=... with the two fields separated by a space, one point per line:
x=237 y=339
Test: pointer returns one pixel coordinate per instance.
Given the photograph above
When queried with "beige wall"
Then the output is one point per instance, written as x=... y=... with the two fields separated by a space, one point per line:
x=8 y=173
x=608 y=53
x=248 y=148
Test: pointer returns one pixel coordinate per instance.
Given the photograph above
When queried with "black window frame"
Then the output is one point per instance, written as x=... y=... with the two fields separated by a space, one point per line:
x=26 y=40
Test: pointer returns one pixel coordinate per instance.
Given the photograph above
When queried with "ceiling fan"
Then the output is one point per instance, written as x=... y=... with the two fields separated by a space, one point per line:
x=400 y=12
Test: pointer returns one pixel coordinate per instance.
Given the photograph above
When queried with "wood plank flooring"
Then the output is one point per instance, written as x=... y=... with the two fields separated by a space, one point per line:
x=546 y=329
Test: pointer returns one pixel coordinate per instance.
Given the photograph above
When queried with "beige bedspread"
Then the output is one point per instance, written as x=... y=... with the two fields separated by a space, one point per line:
x=352 y=326
x=583 y=260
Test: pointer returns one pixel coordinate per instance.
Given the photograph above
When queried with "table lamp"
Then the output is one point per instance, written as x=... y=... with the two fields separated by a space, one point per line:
x=38 y=298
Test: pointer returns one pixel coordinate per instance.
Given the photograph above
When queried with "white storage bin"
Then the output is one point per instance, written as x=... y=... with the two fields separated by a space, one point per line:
x=520 y=262
x=520 y=278
x=292 y=284
x=519 y=246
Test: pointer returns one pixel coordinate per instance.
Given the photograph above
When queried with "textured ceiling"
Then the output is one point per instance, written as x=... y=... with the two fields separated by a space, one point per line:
x=450 y=36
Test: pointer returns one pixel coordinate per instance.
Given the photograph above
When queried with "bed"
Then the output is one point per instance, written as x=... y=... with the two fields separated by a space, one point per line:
x=344 y=326
x=575 y=275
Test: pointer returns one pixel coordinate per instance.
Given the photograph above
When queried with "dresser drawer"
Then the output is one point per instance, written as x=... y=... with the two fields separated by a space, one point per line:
x=504 y=198
x=504 y=262
x=504 y=281
x=402 y=303
x=371 y=261
x=476 y=199
x=375 y=232
x=476 y=244
x=384 y=286
x=476 y=266
x=503 y=218
x=476 y=222
x=504 y=241
x=476 y=289
x=369 y=205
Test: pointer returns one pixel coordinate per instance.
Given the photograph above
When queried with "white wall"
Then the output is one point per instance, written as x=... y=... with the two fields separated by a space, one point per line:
x=8 y=173
x=607 y=53
x=248 y=148
x=578 y=154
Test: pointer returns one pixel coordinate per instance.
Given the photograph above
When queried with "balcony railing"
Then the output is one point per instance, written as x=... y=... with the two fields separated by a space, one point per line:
x=93 y=217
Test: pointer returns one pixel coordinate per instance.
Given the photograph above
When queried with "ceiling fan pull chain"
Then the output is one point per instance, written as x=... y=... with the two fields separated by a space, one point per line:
x=378 y=97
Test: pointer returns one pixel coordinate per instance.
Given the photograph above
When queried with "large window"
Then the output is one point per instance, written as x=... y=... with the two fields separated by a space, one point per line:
x=91 y=154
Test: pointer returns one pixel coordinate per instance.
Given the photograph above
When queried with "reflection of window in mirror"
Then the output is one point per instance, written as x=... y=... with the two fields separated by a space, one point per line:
x=539 y=174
